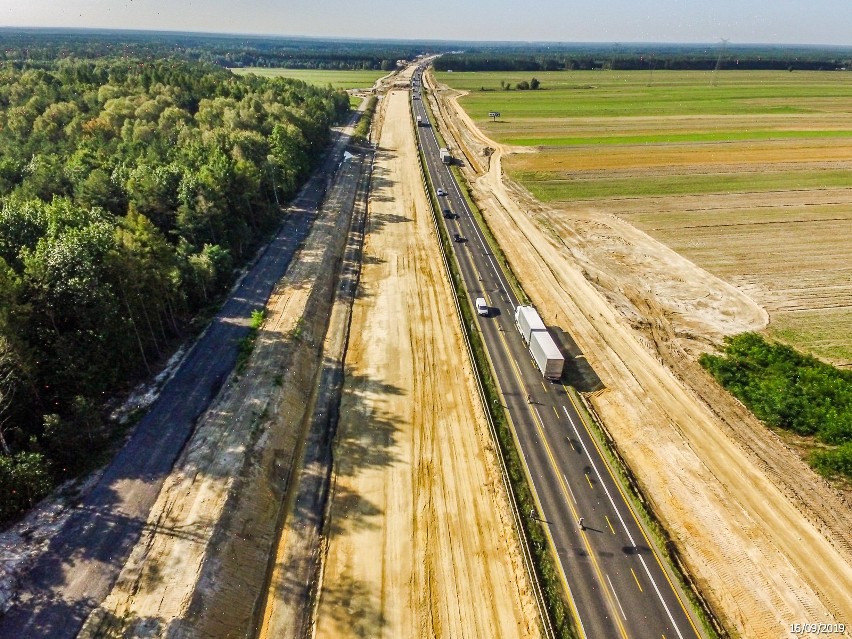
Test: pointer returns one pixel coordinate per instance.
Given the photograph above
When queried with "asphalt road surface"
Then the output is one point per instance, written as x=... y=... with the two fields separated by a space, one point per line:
x=614 y=578
x=63 y=585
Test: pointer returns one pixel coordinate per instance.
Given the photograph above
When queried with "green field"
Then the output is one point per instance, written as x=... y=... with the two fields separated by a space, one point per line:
x=576 y=94
x=550 y=187
x=337 y=79
x=698 y=136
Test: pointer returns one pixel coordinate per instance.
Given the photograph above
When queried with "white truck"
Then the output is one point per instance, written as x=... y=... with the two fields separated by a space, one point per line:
x=543 y=349
x=446 y=157
x=419 y=120
x=546 y=354
x=528 y=320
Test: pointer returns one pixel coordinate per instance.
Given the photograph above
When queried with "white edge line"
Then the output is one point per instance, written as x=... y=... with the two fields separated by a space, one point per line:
x=629 y=536
x=617 y=600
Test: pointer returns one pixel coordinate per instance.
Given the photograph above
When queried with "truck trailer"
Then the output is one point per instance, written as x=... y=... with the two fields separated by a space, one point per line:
x=528 y=320
x=546 y=354
x=446 y=158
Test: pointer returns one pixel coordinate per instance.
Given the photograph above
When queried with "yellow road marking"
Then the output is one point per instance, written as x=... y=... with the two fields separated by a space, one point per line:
x=590 y=481
x=633 y=514
x=563 y=486
x=555 y=411
x=609 y=523
x=572 y=604
x=543 y=386
x=637 y=580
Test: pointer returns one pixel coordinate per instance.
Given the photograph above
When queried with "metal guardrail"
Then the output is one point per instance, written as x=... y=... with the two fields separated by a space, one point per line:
x=516 y=515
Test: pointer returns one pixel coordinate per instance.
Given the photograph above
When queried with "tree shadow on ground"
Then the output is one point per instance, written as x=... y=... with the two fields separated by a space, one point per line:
x=380 y=180
x=353 y=605
x=94 y=543
x=365 y=440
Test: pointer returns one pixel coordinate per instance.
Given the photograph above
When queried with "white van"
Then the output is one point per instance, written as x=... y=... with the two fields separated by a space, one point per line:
x=481 y=306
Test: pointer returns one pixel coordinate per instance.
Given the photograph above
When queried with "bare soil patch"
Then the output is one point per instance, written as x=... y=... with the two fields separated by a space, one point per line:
x=767 y=540
x=716 y=154
x=420 y=540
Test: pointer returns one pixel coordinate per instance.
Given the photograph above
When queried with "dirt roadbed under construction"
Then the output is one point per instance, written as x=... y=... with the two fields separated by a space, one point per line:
x=420 y=542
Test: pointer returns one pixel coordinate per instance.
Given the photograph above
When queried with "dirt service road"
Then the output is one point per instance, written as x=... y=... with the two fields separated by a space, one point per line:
x=420 y=542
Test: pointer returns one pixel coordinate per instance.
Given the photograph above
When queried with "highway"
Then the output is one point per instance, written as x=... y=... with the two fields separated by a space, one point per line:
x=66 y=582
x=614 y=579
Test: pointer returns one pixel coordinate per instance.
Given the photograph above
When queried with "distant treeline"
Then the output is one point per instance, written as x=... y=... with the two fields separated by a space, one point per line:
x=788 y=390
x=673 y=57
x=34 y=45
x=22 y=46
x=130 y=189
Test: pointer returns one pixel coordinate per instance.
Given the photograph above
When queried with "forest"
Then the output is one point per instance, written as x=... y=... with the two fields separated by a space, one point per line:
x=575 y=57
x=130 y=190
x=34 y=45
x=788 y=390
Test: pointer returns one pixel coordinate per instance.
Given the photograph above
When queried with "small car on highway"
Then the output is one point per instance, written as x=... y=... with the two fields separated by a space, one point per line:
x=481 y=306
x=459 y=238
x=441 y=192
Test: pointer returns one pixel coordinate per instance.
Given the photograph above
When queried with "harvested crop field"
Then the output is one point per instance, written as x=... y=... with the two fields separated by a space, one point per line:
x=747 y=174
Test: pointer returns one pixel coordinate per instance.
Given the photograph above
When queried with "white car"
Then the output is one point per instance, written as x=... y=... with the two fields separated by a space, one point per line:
x=481 y=306
x=441 y=192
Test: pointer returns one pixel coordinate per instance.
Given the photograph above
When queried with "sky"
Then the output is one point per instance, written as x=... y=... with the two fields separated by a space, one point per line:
x=677 y=21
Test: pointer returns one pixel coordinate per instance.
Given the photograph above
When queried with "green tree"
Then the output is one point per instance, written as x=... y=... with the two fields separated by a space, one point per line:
x=24 y=479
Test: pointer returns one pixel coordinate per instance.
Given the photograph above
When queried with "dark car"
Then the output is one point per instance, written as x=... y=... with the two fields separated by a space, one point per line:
x=450 y=215
x=459 y=238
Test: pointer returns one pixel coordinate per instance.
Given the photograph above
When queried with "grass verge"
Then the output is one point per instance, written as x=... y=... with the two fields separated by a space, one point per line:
x=490 y=239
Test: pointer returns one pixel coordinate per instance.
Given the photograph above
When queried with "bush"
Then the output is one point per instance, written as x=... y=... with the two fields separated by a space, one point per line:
x=363 y=127
x=786 y=389
x=836 y=461
x=24 y=479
